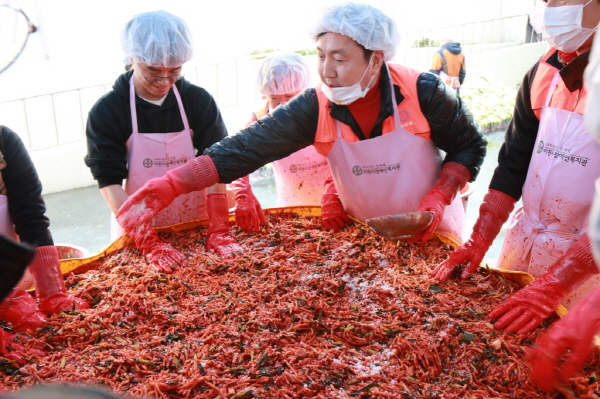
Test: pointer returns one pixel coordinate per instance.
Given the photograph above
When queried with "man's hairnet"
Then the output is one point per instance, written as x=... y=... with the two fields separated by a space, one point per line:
x=282 y=74
x=157 y=38
x=362 y=23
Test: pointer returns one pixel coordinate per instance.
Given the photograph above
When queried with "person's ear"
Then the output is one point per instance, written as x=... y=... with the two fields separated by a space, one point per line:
x=377 y=59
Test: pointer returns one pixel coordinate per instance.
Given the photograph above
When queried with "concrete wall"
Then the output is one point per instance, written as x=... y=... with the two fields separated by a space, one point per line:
x=506 y=66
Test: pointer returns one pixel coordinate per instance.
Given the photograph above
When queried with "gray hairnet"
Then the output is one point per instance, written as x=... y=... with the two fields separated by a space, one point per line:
x=157 y=38
x=282 y=74
x=362 y=23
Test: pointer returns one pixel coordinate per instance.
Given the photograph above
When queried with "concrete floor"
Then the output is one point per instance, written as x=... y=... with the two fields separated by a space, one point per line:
x=81 y=217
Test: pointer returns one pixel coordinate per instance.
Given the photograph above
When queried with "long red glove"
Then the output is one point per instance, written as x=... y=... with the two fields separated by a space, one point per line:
x=248 y=212
x=493 y=212
x=10 y=348
x=156 y=194
x=527 y=308
x=452 y=178
x=219 y=239
x=332 y=210
x=572 y=336
x=21 y=310
x=50 y=287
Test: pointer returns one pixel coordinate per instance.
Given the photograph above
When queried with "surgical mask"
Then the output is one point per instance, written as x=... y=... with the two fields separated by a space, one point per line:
x=347 y=94
x=562 y=27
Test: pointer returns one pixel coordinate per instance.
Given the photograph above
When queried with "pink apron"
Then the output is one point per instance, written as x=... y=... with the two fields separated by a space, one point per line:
x=557 y=196
x=151 y=155
x=299 y=177
x=390 y=174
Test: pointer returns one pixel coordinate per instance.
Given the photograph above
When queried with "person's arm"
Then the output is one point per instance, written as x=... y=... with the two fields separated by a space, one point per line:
x=287 y=129
x=25 y=202
x=463 y=71
x=114 y=195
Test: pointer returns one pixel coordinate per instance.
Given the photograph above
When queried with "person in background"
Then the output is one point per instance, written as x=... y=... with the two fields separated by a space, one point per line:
x=381 y=126
x=23 y=219
x=561 y=351
x=299 y=178
x=552 y=160
x=154 y=121
x=449 y=64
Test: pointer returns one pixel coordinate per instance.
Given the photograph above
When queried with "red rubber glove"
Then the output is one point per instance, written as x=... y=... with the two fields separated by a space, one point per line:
x=248 y=212
x=156 y=194
x=159 y=254
x=11 y=349
x=493 y=212
x=527 y=308
x=332 y=210
x=50 y=287
x=573 y=337
x=21 y=310
x=452 y=178
x=219 y=239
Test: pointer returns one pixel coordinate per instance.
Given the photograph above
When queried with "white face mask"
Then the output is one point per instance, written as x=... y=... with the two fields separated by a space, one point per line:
x=347 y=94
x=562 y=27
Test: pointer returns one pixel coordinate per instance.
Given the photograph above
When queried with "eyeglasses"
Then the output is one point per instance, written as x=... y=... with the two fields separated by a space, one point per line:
x=15 y=28
x=158 y=79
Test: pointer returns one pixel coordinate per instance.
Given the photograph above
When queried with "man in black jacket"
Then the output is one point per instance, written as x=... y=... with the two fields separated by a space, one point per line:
x=394 y=117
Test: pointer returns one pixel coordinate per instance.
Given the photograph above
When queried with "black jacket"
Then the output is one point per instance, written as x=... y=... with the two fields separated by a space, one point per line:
x=292 y=127
x=26 y=205
x=515 y=154
x=109 y=125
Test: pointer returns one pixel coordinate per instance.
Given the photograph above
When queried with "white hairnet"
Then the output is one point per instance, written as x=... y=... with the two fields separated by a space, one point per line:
x=282 y=74
x=157 y=38
x=362 y=23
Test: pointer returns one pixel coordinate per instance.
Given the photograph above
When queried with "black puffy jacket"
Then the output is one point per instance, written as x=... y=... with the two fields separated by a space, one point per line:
x=293 y=126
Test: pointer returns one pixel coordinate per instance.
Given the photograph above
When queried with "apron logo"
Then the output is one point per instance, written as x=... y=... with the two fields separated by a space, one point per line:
x=293 y=168
x=562 y=153
x=147 y=163
x=540 y=146
x=375 y=169
x=403 y=115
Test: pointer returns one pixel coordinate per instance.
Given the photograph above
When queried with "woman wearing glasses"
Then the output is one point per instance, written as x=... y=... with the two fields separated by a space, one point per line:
x=153 y=121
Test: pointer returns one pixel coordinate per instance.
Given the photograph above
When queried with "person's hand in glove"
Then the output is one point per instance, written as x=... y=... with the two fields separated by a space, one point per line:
x=333 y=216
x=159 y=254
x=156 y=194
x=10 y=348
x=219 y=239
x=528 y=307
x=493 y=213
x=452 y=178
x=248 y=212
x=50 y=287
x=572 y=336
x=21 y=310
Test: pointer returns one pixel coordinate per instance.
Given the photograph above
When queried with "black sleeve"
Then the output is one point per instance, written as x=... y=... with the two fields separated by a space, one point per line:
x=515 y=154
x=275 y=136
x=26 y=206
x=106 y=134
x=453 y=128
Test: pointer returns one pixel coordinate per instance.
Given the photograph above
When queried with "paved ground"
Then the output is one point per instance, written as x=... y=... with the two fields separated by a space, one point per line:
x=81 y=217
